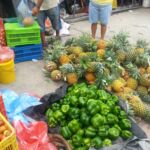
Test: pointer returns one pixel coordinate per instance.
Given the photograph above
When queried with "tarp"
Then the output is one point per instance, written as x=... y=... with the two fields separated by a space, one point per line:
x=139 y=141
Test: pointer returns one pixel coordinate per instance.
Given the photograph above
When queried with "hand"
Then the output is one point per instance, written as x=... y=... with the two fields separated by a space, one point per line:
x=35 y=11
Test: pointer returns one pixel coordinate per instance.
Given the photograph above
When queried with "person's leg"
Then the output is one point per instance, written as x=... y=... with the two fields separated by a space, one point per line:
x=93 y=17
x=94 y=28
x=54 y=17
x=105 y=12
x=41 y=20
x=103 y=31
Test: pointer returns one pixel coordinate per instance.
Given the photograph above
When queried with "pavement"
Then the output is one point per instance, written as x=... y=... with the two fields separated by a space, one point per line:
x=30 y=76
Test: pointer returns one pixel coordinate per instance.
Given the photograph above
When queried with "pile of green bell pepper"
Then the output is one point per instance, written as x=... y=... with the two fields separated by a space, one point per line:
x=89 y=117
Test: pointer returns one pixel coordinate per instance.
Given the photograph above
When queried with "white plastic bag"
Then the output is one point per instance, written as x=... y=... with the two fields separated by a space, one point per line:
x=25 y=14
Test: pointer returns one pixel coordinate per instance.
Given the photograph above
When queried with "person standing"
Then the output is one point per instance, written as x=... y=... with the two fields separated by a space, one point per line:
x=44 y=9
x=99 y=12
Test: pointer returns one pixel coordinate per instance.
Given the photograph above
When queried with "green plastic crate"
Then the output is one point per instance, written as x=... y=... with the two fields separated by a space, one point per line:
x=17 y=35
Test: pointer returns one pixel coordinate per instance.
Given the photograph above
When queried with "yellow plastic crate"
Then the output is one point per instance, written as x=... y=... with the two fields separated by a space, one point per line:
x=114 y=4
x=10 y=142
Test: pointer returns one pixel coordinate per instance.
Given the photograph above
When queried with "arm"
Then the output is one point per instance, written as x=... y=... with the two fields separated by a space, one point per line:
x=36 y=9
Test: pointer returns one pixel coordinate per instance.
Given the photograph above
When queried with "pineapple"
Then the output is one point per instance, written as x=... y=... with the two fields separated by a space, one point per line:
x=137 y=105
x=128 y=90
x=145 y=80
x=50 y=66
x=83 y=54
x=142 y=90
x=148 y=70
x=72 y=57
x=122 y=80
x=91 y=66
x=142 y=70
x=131 y=55
x=90 y=77
x=117 y=86
x=101 y=44
x=141 y=45
x=56 y=75
x=101 y=53
x=126 y=75
x=76 y=50
x=121 y=55
x=69 y=73
x=64 y=59
x=123 y=95
x=132 y=83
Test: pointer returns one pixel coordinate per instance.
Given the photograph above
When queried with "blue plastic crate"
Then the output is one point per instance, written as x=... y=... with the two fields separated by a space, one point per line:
x=27 y=53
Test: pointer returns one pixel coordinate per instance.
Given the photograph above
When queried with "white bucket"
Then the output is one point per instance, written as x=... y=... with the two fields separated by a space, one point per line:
x=146 y=3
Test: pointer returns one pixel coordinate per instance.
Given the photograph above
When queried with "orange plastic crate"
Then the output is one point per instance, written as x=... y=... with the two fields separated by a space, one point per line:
x=2 y=107
x=10 y=142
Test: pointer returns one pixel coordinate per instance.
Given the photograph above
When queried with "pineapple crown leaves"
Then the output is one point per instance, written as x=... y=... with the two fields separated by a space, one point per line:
x=133 y=70
x=71 y=42
x=79 y=70
x=87 y=43
x=141 y=43
x=143 y=60
x=67 y=68
x=119 y=42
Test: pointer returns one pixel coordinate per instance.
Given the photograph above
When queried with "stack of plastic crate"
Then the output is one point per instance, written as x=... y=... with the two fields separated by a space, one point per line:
x=25 y=41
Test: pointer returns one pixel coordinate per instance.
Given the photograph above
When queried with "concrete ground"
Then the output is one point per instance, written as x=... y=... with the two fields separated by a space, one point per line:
x=30 y=77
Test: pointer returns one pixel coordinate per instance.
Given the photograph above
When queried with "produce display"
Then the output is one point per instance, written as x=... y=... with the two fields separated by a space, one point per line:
x=89 y=117
x=4 y=131
x=115 y=65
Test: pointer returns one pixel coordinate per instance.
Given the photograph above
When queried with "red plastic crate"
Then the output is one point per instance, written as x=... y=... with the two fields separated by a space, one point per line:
x=2 y=33
x=2 y=107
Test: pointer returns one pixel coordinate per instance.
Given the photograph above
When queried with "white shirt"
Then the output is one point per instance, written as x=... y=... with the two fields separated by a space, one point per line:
x=47 y=4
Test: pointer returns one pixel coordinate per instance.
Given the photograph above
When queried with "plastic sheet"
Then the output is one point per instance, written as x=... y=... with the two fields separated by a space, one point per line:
x=16 y=104
x=33 y=137
x=6 y=54
x=23 y=11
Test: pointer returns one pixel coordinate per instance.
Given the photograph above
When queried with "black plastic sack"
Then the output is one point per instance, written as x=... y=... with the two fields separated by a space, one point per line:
x=37 y=113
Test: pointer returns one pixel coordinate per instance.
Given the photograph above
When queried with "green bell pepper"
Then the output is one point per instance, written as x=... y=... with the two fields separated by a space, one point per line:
x=102 y=95
x=126 y=134
x=114 y=98
x=82 y=101
x=107 y=142
x=55 y=106
x=74 y=125
x=65 y=132
x=84 y=118
x=77 y=140
x=112 y=119
x=87 y=142
x=104 y=109
x=113 y=133
x=97 y=120
x=73 y=100
x=111 y=104
x=116 y=110
x=91 y=94
x=49 y=113
x=125 y=124
x=65 y=108
x=63 y=123
x=117 y=127
x=96 y=142
x=84 y=91
x=80 y=132
x=122 y=115
x=81 y=148
x=52 y=122
x=103 y=131
x=58 y=115
x=92 y=106
x=74 y=113
x=90 y=132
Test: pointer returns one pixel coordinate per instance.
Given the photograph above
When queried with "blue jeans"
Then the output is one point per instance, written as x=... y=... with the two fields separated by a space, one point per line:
x=53 y=15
